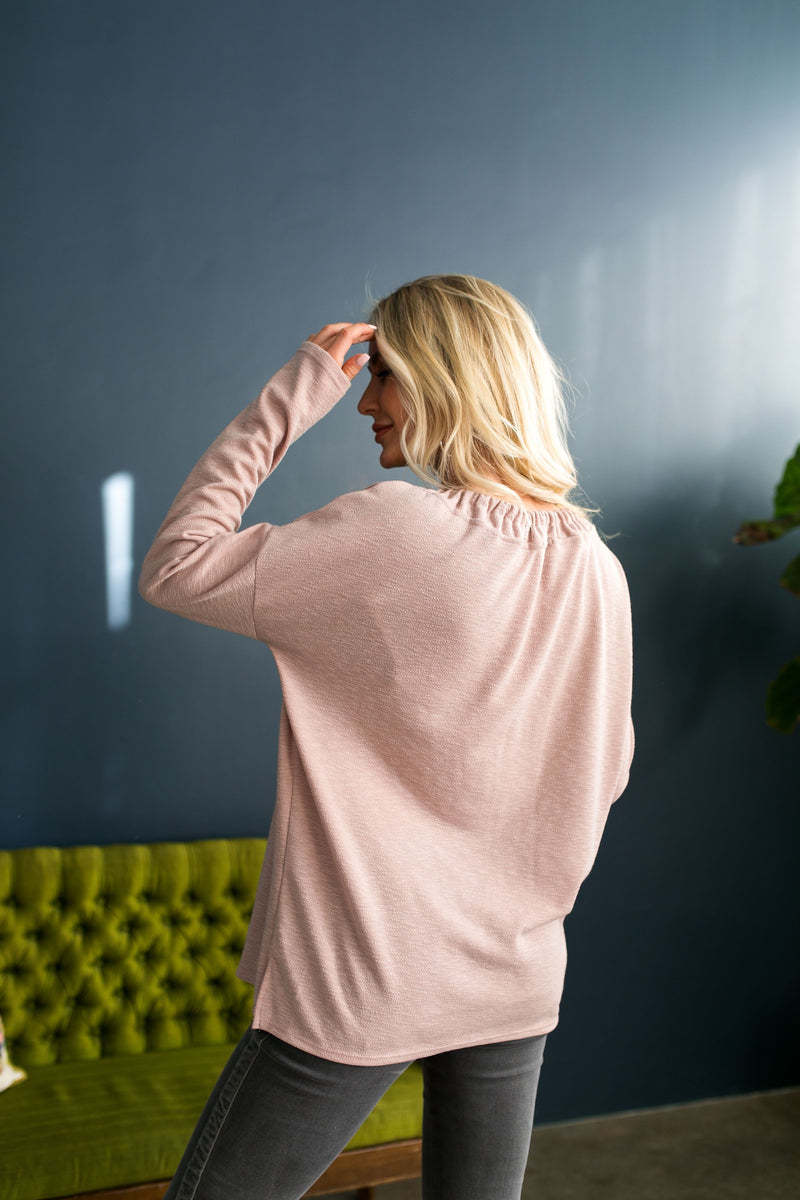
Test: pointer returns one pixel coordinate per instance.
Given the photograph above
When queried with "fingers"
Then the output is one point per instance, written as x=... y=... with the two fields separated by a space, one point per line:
x=336 y=338
x=354 y=365
x=361 y=332
x=348 y=332
x=347 y=325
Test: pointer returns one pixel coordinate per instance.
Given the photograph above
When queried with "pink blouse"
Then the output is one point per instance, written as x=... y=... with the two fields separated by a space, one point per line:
x=456 y=722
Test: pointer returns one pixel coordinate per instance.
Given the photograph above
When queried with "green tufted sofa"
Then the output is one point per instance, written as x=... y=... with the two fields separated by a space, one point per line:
x=119 y=998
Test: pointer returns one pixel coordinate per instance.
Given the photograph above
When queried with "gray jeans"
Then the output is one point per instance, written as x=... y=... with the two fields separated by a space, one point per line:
x=278 y=1117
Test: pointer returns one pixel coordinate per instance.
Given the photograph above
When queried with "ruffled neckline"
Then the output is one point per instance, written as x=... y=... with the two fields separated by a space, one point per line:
x=512 y=520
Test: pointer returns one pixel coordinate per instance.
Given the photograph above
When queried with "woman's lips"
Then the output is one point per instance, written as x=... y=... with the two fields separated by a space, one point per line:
x=380 y=432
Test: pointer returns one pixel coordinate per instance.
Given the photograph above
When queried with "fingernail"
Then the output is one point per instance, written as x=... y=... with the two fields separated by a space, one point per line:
x=362 y=359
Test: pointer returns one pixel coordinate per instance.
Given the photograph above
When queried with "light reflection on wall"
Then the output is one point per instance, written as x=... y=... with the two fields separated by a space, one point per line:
x=117 y=500
x=684 y=339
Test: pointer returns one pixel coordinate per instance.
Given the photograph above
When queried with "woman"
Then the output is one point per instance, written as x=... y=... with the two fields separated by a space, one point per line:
x=455 y=664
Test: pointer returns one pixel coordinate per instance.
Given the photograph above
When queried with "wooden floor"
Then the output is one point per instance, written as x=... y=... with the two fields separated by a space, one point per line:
x=737 y=1148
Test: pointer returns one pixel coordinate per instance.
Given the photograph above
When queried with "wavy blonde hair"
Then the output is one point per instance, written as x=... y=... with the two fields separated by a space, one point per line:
x=483 y=396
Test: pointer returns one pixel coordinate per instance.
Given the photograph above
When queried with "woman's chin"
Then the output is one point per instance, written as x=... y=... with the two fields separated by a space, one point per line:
x=390 y=456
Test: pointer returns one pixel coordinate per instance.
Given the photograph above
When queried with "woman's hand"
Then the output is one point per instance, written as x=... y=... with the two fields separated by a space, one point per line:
x=337 y=340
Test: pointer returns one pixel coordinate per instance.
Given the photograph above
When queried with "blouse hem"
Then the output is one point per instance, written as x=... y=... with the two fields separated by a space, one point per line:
x=402 y=1056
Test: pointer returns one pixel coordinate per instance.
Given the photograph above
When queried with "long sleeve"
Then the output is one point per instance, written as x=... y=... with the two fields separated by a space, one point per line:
x=200 y=566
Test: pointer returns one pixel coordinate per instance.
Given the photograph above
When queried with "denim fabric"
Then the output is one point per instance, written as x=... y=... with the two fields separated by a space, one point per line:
x=278 y=1117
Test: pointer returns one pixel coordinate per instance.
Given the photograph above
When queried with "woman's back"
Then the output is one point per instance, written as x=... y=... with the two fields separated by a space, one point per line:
x=455 y=726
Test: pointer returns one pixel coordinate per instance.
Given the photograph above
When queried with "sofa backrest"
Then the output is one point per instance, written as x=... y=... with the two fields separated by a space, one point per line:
x=125 y=948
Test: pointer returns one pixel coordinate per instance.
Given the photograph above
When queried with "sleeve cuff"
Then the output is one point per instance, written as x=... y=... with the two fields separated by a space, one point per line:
x=313 y=351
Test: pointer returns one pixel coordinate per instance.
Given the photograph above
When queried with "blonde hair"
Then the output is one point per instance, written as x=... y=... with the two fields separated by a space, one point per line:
x=480 y=390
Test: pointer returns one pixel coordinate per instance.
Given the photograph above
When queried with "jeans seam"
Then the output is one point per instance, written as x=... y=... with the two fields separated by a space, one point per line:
x=222 y=1109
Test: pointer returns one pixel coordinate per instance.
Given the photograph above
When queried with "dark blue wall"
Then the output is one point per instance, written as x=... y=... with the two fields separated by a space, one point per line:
x=194 y=188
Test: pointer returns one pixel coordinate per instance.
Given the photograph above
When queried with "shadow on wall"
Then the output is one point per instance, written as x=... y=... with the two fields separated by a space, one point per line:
x=711 y=626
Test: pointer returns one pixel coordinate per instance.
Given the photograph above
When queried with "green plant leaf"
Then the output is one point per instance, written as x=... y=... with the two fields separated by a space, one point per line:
x=787 y=493
x=783 y=697
x=786 y=504
x=790 y=578
x=752 y=533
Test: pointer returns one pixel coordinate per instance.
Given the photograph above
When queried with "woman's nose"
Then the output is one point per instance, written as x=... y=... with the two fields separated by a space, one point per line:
x=363 y=405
